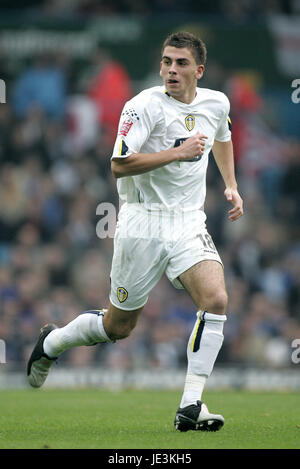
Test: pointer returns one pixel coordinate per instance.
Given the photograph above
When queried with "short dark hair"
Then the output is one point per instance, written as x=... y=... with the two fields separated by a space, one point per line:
x=190 y=41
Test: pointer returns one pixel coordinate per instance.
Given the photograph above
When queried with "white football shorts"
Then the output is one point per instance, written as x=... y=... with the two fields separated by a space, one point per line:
x=149 y=244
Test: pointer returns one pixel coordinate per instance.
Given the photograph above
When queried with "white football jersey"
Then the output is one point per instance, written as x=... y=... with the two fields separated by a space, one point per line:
x=153 y=121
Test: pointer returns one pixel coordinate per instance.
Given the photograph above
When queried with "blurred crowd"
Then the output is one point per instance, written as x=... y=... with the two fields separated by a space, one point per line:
x=55 y=147
x=235 y=11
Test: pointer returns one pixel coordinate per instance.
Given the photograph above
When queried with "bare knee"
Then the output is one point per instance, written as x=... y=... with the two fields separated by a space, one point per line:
x=217 y=302
x=118 y=324
x=119 y=331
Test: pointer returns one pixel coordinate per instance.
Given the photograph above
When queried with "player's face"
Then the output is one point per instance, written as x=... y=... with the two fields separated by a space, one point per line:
x=180 y=72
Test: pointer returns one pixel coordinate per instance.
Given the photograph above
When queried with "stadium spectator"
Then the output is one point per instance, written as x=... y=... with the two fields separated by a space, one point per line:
x=110 y=87
x=41 y=86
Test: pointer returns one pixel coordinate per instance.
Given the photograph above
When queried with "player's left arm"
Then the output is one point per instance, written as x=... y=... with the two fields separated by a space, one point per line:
x=223 y=154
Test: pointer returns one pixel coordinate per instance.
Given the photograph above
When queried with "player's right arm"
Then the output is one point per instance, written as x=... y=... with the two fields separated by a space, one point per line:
x=139 y=163
x=143 y=117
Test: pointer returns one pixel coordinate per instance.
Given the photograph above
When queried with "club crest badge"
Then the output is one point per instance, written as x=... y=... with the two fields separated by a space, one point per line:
x=190 y=122
x=122 y=294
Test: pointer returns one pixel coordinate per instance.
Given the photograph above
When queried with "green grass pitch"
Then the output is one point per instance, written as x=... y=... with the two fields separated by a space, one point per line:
x=133 y=419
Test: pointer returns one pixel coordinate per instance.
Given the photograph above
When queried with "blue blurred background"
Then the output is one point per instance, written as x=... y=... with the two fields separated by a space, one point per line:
x=68 y=67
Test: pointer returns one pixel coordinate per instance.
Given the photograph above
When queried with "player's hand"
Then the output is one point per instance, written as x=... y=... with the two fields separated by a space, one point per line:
x=234 y=197
x=192 y=147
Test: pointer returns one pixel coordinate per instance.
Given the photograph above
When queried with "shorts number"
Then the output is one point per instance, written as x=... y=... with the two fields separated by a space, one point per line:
x=207 y=241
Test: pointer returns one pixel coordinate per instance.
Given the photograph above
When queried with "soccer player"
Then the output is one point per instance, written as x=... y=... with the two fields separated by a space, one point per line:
x=160 y=161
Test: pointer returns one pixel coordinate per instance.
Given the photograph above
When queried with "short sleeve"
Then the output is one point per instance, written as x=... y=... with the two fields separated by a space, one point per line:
x=134 y=129
x=223 y=133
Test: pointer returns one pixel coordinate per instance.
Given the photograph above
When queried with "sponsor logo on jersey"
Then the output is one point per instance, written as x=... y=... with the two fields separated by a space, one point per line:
x=190 y=122
x=122 y=294
x=125 y=127
x=130 y=116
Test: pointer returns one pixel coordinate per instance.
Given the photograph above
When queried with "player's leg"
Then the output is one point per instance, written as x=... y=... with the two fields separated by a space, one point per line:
x=119 y=323
x=89 y=328
x=205 y=283
x=137 y=265
x=92 y=327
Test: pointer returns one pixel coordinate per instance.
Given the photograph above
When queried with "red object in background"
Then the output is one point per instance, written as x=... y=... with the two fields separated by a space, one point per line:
x=243 y=96
x=244 y=100
x=238 y=136
x=110 y=90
